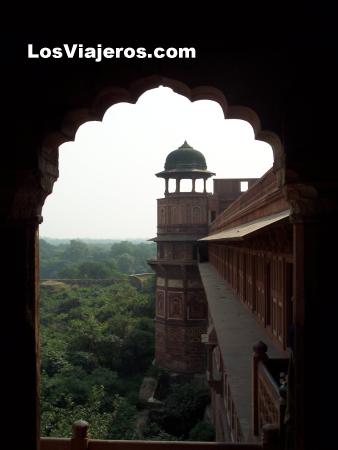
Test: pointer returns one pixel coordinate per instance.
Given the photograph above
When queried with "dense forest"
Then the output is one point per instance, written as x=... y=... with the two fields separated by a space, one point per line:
x=97 y=345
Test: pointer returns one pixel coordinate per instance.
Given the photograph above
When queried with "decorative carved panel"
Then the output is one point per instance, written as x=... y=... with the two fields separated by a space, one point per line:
x=175 y=305
x=178 y=251
x=196 y=214
x=160 y=281
x=160 y=303
x=193 y=334
x=175 y=283
x=183 y=214
x=161 y=216
x=197 y=308
x=268 y=411
x=175 y=215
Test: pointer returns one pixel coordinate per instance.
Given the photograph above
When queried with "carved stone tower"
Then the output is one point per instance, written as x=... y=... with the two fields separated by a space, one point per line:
x=181 y=307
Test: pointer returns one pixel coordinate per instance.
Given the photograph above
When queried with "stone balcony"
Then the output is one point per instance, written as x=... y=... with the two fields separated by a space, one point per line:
x=231 y=318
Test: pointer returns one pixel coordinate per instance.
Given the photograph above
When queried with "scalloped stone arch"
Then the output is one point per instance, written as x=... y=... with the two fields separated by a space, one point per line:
x=111 y=95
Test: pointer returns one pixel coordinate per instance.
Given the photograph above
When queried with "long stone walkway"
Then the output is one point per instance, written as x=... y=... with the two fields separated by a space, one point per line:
x=237 y=331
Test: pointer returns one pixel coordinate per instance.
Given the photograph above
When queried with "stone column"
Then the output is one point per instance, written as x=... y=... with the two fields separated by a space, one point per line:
x=21 y=199
x=178 y=181
x=20 y=325
x=309 y=280
x=314 y=285
x=79 y=439
x=166 y=186
x=193 y=185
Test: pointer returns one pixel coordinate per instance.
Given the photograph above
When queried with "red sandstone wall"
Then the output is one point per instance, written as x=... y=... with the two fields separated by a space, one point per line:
x=179 y=348
x=182 y=214
x=262 y=199
x=181 y=319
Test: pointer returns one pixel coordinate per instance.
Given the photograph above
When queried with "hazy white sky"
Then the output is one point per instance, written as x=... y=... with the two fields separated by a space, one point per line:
x=107 y=187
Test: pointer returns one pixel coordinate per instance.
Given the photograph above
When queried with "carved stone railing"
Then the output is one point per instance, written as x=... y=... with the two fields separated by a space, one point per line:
x=81 y=441
x=268 y=403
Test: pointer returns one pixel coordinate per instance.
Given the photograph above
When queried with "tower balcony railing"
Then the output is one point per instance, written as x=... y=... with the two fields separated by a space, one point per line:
x=81 y=441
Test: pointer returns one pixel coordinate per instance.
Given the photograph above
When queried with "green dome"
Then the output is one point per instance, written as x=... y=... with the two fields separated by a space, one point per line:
x=185 y=158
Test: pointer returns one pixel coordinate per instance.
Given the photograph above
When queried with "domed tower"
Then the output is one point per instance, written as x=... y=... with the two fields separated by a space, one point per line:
x=181 y=307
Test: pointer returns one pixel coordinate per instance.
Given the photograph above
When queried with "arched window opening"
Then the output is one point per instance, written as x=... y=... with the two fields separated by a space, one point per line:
x=186 y=186
x=96 y=285
x=199 y=185
x=172 y=185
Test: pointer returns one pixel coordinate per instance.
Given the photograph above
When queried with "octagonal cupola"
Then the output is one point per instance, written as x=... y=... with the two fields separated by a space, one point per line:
x=185 y=163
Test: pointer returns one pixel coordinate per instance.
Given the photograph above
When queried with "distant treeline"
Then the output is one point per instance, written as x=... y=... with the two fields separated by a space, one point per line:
x=58 y=241
x=97 y=259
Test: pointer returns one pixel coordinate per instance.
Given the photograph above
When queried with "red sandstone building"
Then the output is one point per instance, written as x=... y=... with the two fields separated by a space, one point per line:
x=225 y=284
